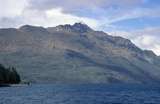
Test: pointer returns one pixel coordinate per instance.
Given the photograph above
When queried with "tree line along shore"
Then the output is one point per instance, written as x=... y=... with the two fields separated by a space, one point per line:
x=8 y=76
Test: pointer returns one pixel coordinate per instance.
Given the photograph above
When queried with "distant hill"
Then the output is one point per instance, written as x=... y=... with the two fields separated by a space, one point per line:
x=76 y=54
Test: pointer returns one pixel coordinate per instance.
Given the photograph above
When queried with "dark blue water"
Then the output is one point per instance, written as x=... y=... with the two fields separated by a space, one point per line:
x=80 y=94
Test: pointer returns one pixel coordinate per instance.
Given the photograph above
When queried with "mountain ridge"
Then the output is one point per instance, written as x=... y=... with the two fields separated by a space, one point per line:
x=76 y=54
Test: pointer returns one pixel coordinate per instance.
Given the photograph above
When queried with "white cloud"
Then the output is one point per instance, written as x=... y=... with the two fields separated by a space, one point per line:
x=28 y=9
x=147 y=38
x=145 y=41
x=156 y=49
x=11 y=12
x=46 y=13
x=54 y=17
x=12 y=8
x=15 y=13
x=148 y=42
x=57 y=17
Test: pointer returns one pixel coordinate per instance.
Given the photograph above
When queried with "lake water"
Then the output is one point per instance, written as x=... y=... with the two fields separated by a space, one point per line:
x=80 y=94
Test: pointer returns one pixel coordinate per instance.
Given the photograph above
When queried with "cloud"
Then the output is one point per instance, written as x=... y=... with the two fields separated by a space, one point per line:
x=147 y=38
x=79 y=7
x=135 y=13
x=11 y=12
x=73 y=4
x=17 y=12
x=46 y=18
x=58 y=17
x=11 y=8
x=7 y=22
x=99 y=14
x=148 y=42
x=105 y=12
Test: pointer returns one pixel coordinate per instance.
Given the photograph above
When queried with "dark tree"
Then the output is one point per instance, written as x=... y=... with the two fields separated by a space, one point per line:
x=9 y=75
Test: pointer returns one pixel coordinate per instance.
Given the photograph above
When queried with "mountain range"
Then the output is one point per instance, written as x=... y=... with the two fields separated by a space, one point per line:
x=76 y=54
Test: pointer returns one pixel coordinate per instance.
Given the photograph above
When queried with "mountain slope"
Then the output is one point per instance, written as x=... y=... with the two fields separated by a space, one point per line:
x=76 y=54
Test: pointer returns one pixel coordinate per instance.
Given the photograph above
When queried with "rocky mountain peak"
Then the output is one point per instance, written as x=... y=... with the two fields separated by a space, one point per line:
x=81 y=27
x=77 y=27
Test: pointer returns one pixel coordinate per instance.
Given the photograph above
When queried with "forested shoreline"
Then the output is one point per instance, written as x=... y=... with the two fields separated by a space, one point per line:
x=9 y=75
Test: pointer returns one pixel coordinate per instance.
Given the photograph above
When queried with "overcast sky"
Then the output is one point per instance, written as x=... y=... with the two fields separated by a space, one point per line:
x=138 y=20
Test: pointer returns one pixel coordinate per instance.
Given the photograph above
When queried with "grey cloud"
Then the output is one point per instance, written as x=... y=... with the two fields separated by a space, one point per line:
x=6 y=22
x=97 y=9
x=73 y=5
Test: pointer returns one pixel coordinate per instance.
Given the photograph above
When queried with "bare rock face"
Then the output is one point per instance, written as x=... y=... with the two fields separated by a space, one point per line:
x=76 y=54
x=77 y=27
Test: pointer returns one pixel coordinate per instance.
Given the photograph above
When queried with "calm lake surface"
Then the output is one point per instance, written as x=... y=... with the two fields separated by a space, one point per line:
x=80 y=94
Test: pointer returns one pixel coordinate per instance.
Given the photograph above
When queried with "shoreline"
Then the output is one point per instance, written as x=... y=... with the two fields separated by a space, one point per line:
x=13 y=85
x=5 y=85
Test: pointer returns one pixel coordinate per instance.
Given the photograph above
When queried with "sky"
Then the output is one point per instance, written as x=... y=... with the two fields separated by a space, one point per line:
x=137 y=20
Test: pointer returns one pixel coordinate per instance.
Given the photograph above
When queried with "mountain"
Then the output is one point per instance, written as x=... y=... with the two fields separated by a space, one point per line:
x=76 y=54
